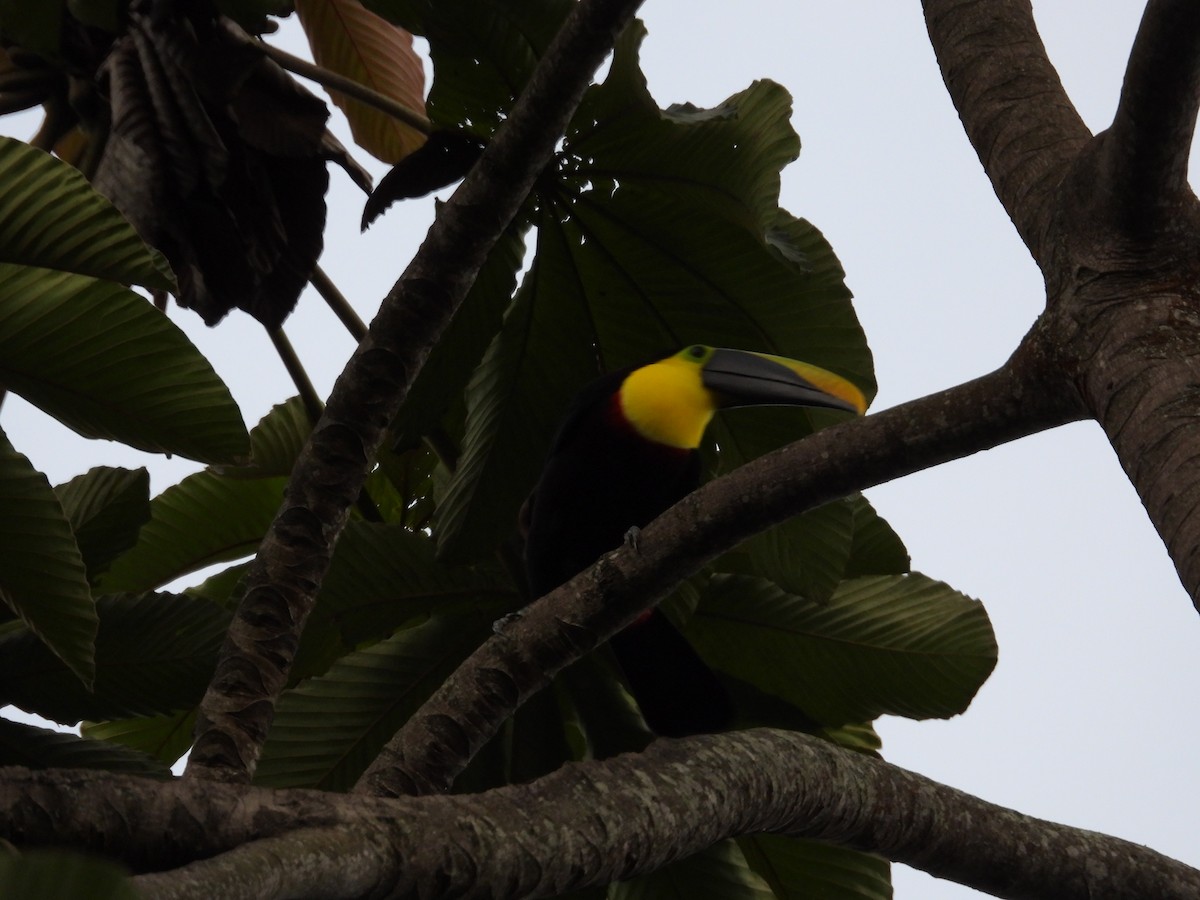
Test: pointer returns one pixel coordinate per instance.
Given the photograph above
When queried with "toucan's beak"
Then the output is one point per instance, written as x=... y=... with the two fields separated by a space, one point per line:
x=742 y=378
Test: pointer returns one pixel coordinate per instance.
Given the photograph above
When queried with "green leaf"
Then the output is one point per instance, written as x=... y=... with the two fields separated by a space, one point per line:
x=514 y=401
x=275 y=442
x=52 y=218
x=33 y=26
x=902 y=645
x=726 y=158
x=807 y=554
x=154 y=654
x=103 y=14
x=482 y=53
x=42 y=575
x=58 y=875
x=877 y=549
x=221 y=587
x=718 y=873
x=327 y=730
x=39 y=748
x=402 y=486
x=250 y=14
x=203 y=520
x=384 y=575
x=106 y=508
x=805 y=870
x=661 y=230
x=165 y=738
x=109 y=365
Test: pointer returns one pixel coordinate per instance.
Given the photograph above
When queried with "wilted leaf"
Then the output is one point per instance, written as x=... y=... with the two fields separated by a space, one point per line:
x=349 y=39
x=442 y=160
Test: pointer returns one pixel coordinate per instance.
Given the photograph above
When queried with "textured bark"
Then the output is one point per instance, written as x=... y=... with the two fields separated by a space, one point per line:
x=1113 y=225
x=642 y=811
x=282 y=583
x=437 y=743
x=1012 y=104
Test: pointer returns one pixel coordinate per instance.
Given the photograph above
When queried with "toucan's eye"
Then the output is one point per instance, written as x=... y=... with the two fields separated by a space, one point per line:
x=697 y=351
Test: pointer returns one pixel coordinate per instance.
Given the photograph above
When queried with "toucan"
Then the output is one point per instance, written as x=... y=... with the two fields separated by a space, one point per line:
x=628 y=449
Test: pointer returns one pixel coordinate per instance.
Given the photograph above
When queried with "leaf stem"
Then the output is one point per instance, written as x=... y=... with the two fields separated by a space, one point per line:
x=351 y=88
x=313 y=407
x=337 y=302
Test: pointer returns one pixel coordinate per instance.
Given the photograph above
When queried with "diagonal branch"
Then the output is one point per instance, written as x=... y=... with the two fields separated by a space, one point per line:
x=1146 y=149
x=1012 y=104
x=282 y=582
x=439 y=740
x=585 y=824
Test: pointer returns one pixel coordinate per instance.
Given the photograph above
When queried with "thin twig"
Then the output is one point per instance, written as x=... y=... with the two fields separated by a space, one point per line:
x=313 y=407
x=295 y=369
x=337 y=302
x=347 y=86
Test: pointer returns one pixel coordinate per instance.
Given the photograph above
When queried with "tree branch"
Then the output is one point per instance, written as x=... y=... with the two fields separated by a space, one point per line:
x=440 y=739
x=282 y=582
x=643 y=811
x=1146 y=150
x=1012 y=104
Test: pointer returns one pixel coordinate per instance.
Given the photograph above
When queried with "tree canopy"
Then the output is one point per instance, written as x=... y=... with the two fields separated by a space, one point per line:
x=356 y=650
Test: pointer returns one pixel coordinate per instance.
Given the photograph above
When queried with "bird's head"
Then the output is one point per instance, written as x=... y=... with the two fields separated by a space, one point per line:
x=671 y=401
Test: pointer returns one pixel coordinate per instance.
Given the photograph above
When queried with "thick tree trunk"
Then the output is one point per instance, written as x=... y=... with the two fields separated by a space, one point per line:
x=1113 y=225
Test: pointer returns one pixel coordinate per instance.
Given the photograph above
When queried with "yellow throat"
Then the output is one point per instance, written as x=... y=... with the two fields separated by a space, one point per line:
x=667 y=401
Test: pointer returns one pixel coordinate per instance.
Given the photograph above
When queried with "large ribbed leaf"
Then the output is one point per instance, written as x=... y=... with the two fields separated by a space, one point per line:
x=275 y=442
x=805 y=870
x=39 y=748
x=42 y=576
x=877 y=549
x=155 y=653
x=805 y=555
x=50 y=217
x=205 y=519
x=106 y=507
x=350 y=40
x=109 y=365
x=165 y=738
x=662 y=230
x=327 y=730
x=384 y=575
x=55 y=875
x=902 y=645
x=514 y=401
x=719 y=873
x=483 y=52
